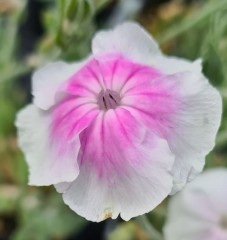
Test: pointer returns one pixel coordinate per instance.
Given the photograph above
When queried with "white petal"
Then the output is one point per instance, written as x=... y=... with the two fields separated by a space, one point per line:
x=187 y=114
x=124 y=170
x=134 y=42
x=45 y=166
x=172 y=65
x=62 y=187
x=47 y=80
x=197 y=126
x=129 y=39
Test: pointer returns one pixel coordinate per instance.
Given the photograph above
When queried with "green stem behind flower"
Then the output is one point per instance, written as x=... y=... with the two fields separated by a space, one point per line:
x=150 y=231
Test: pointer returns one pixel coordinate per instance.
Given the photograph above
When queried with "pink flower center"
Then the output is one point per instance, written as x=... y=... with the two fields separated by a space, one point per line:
x=108 y=99
x=111 y=82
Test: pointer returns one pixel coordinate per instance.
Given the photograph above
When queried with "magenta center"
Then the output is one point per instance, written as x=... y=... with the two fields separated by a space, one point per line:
x=108 y=99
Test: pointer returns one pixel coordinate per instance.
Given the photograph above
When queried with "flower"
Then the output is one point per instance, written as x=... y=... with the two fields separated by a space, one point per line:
x=199 y=212
x=121 y=130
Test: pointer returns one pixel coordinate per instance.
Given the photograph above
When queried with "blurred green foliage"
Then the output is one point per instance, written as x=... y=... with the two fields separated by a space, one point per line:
x=191 y=31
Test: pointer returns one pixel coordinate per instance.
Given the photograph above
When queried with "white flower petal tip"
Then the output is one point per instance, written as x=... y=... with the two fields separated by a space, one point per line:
x=199 y=212
x=129 y=39
x=121 y=130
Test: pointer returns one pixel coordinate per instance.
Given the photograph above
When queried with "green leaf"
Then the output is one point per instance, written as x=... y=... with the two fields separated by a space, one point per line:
x=72 y=9
x=192 y=20
x=212 y=66
x=43 y=215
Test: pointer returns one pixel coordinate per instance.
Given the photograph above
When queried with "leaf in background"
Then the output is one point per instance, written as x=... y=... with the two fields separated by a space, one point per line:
x=73 y=9
x=192 y=20
x=127 y=231
x=45 y=216
x=21 y=169
x=9 y=198
x=7 y=115
x=212 y=66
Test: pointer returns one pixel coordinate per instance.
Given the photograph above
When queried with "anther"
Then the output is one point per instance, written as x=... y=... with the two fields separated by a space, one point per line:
x=108 y=99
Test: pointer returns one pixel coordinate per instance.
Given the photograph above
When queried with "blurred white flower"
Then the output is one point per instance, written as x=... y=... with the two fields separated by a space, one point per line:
x=199 y=212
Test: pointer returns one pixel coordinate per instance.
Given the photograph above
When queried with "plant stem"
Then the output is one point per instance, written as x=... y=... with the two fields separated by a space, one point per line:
x=177 y=29
x=150 y=231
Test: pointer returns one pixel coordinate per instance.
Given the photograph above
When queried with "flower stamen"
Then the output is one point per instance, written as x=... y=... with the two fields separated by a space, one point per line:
x=108 y=99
